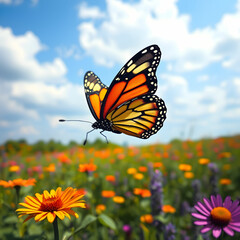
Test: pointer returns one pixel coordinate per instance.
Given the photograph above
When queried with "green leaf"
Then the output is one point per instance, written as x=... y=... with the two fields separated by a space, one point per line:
x=107 y=221
x=200 y=237
x=86 y=221
x=145 y=231
x=11 y=219
x=162 y=219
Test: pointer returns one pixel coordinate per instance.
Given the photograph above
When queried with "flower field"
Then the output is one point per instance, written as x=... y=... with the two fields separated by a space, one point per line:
x=144 y=192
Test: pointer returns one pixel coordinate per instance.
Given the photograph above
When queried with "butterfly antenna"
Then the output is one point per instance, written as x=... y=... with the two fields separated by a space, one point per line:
x=104 y=135
x=64 y=120
x=85 y=141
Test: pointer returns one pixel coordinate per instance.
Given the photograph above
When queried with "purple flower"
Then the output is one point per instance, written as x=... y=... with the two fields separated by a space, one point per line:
x=170 y=231
x=156 y=192
x=216 y=215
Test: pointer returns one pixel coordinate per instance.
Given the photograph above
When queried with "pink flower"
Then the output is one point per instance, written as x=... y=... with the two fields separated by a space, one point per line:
x=216 y=215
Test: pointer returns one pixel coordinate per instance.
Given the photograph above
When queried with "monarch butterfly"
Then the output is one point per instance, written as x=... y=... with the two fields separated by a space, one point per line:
x=128 y=105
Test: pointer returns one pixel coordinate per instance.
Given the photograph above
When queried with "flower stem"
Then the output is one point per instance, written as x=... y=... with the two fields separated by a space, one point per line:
x=55 y=228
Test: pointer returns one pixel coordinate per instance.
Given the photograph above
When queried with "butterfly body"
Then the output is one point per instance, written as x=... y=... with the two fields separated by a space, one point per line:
x=105 y=125
x=128 y=105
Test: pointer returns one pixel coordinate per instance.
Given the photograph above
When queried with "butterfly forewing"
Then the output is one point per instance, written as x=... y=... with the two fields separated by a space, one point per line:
x=95 y=92
x=140 y=117
x=136 y=78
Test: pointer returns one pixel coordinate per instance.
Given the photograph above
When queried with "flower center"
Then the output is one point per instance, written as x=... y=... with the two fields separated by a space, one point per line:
x=51 y=204
x=221 y=216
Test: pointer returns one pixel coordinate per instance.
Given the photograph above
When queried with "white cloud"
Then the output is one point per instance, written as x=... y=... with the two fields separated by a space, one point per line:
x=18 y=59
x=67 y=52
x=203 y=78
x=15 y=2
x=34 y=2
x=184 y=103
x=210 y=111
x=89 y=12
x=32 y=93
x=66 y=97
x=123 y=32
x=28 y=130
x=4 y=123
x=5 y=1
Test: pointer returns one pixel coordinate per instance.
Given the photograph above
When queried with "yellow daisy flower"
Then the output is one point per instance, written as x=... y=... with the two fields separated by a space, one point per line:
x=49 y=205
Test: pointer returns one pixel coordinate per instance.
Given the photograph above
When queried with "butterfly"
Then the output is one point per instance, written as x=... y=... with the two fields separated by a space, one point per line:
x=128 y=105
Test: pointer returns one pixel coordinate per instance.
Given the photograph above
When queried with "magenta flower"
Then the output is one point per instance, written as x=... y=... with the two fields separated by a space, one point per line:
x=217 y=215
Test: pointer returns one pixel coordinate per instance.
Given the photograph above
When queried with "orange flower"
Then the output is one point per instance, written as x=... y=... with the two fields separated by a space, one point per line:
x=142 y=169
x=118 y=150
x=50 y=168
x=131 y=170
x=142 y=192
x=100 y=208
x=137 y=191
x=147 y=218
x=88 y=167
x=157 y=164
x=110 y=178
x=185 y=167
x=203 y=161
x=138 y=176
x=14 y=168
x=62 y=157
x=165 y=155
x=225 y=181
x=108 y=193
x=51 y=205
x=18 y=182
x=146 y=193
x=118 y=199
x=168 y=209
x=189 y=175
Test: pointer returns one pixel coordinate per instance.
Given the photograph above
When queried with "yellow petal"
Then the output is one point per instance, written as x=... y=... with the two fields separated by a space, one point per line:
x=58 y=191
x=32 y=201
x=27 y=211
x=39 y=197
x=66 y=214
x=67 y=194
x=70 y=211
x=60 y=214
x=75 y=199
x=40 y=216
x=29 y=206
x=51 y=217
x=82 y=205
x=46 y=194
x=53 y=193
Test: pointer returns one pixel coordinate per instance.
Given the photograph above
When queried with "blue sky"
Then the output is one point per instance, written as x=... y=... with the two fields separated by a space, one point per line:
x=47 y=46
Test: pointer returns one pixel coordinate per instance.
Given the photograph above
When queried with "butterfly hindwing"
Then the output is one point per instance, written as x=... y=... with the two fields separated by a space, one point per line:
x=140 y=117
x=95 y=92
x=136 y=78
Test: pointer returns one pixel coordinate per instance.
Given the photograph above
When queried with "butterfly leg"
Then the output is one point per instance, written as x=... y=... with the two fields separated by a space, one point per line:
x=104 y=135
x=85 y=141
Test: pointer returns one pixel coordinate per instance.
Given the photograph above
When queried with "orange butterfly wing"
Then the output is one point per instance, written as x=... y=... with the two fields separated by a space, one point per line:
x=136 y=78
x=95 y=92
x=140 y=117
